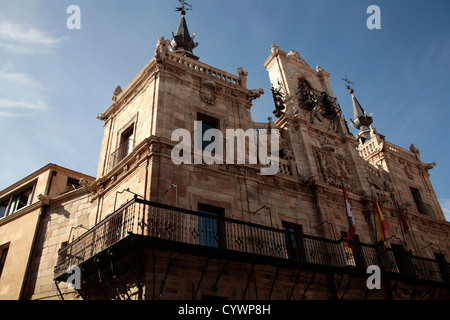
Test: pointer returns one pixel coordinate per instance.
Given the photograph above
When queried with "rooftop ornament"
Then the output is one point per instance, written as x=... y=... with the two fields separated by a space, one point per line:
x=182 y=42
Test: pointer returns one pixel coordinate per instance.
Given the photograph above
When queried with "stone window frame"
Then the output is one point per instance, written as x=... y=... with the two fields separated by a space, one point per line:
x=291 y=243
x=3 y=255
x=214 y=210
x=127 y=133
x=211 y=121
x=10 y=203
x=119 y=152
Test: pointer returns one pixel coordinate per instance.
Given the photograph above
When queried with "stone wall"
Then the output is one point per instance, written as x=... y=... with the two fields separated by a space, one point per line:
x=67 y=215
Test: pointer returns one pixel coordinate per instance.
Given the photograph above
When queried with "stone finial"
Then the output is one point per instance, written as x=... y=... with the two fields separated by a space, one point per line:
x=413 y=148
x=162 y=46
x=117 y=91
x=274 y=48
x=242 y=76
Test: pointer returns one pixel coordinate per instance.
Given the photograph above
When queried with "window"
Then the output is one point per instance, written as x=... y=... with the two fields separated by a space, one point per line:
x=207 y=123
x=293 y=240
x=126 y=142
x=210 y=228
x=72 y=184
x=3 y=207
x=402 y=259
x=16 y=201
x=3 y=254
x=421 y=207
x=61 y=257
x=444 y=268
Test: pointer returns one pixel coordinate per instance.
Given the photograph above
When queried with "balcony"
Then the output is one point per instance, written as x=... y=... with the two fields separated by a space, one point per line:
x=198 y=233
x=120 y=153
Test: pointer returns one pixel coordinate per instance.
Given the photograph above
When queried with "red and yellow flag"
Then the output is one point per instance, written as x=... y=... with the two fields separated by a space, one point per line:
x=381 y=223
x=351 y=226
x=401 y=216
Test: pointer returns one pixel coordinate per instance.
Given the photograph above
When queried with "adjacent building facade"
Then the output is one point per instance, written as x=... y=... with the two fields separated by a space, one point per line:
x=23 y=211
x=151 y=227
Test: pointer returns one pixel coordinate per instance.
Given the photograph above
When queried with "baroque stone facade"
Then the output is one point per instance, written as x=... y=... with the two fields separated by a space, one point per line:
x=147 y=228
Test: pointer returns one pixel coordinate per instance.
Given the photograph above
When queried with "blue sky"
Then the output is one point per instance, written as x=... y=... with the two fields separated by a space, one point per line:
x=54 y=81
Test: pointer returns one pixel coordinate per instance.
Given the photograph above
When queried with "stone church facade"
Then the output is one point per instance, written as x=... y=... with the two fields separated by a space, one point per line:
x=149 y=228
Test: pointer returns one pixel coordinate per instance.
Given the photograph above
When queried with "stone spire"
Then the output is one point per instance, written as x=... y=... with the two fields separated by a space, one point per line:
x=361 y=120
x=182 y=42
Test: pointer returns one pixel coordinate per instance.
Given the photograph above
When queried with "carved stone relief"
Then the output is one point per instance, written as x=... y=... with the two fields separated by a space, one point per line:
x=408 y=172
x=333 y=168
x=208 y=92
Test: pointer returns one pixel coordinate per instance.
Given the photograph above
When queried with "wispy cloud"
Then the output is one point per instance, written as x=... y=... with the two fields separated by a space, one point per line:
x=445 y=205
x=18 y=79
x=19 y=38
x=16 y=104
x=21 y=94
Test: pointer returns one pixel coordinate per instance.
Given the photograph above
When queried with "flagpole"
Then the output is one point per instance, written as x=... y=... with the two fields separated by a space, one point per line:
x=397 y=205
x=374 y=216
x=349 y=221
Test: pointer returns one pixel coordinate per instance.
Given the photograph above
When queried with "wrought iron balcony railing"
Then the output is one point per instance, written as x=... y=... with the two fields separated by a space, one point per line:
x=120 y=153
x=178 y=225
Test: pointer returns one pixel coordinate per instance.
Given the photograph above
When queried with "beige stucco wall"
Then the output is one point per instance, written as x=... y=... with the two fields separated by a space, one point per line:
x=18 y=233
x=19 y=229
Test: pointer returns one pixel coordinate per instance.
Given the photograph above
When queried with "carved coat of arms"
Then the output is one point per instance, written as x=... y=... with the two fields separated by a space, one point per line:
x=208 y=92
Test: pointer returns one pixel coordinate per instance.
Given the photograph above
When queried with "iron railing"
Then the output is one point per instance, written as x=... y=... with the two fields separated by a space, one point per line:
x=214 y=231
x=120 y=153
x=310 y=99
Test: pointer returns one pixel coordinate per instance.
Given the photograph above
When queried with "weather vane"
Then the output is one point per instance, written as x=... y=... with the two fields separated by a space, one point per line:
x=348 y=83
x=184 y=7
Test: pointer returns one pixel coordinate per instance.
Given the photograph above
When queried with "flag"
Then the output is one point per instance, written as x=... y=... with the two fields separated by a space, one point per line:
x=402 y=217
x=351 y=227
x=381 y=223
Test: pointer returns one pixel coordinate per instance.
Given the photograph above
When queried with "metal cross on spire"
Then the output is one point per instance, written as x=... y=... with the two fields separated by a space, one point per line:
x=348 y=83
x=184 y=7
